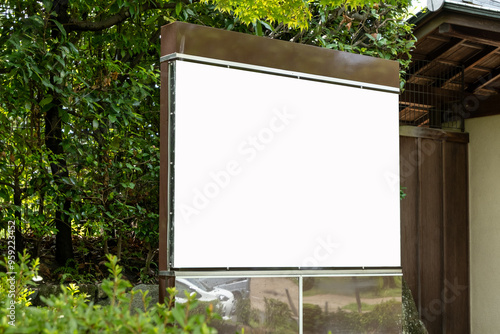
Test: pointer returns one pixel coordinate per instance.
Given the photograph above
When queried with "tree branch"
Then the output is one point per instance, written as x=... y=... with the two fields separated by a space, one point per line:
x=7 y=184
x=121 y=16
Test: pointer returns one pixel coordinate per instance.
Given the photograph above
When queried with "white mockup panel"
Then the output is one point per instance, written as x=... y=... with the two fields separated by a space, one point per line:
x=272 y=171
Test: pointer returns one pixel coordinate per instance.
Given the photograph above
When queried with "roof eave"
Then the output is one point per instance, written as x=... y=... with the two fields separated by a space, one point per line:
x=456 y=7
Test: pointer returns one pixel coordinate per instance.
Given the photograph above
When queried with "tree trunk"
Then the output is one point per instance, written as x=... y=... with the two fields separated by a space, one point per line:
x=149 y=256
x=58 y=166
x=106 y=247
x=19 y=242
x=356 y=292
x=41 y=209
x=53 y=141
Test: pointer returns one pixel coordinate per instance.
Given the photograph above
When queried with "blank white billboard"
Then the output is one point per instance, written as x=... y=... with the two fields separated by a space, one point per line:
x=273 y=171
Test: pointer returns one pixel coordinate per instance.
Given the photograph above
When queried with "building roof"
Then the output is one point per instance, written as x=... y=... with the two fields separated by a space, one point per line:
x=456 y=58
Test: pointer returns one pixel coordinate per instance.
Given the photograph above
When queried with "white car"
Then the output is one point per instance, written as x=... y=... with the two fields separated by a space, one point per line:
x=224 y=297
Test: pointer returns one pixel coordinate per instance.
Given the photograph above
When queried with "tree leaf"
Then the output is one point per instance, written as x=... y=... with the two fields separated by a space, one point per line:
x=46 y=101
x=178 y=8
x=61 y=28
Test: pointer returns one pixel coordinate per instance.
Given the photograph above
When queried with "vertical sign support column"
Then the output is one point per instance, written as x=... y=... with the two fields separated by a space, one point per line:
x=166 y=279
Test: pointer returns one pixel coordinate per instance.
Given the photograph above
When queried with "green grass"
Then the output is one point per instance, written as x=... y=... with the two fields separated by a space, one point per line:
x=353 y=307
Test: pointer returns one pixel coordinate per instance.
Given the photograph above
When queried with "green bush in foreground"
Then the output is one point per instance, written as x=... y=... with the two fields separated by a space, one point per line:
x=70 y=311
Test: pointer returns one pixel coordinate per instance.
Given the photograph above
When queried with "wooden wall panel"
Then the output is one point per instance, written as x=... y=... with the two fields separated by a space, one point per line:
x=431 y=233
x=456 y=239
x=409 y=212
x=434 y=227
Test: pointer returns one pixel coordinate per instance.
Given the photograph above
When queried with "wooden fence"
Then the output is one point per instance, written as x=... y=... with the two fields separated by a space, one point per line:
x=434 y=226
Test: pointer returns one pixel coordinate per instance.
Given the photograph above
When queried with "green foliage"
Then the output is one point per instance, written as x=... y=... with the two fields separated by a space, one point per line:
x=15 y=282
x=72 y=273
x=402 y=194
x=412 y=323
x=279 y=317
x=353 y=307
x=79 y=114
x=373 y=29
x=245 y=314
x=243 y=310
x=386 y=317
x=381 y=318
x=295 y=14
x=106 y=161
x=70 y=311
x=312 y=318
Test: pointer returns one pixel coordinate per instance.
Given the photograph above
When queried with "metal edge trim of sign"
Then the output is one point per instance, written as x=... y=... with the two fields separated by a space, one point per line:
x=171 y=167
x=269 y=70
x=285 y=273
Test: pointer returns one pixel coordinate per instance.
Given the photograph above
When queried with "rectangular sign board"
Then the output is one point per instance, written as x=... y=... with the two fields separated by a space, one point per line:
x=271 y=171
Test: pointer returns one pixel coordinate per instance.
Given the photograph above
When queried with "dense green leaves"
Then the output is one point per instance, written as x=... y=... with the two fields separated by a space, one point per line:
x=378 y=30
x=106 y=111
x=292 y=13
x=70 y=311
x=79 y=106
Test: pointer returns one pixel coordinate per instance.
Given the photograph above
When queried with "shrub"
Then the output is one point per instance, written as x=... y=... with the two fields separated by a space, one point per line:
x=15 y=282
x=385 y=318
x=70 y=311
x=245 y=314
x=313 y=318
x=279 y=317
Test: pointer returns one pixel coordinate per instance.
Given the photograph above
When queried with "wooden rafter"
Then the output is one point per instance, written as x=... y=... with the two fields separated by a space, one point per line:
x=486 y=52
x=485 y=80
x=471 y=34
